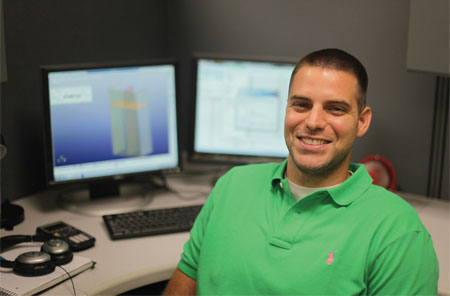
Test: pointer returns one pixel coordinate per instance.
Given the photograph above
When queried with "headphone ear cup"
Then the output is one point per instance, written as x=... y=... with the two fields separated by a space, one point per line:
x=33 y=264
x=59 y=250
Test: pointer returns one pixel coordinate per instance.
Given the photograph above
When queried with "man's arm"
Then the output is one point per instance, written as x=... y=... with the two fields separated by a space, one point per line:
x=180 y=284
x=407 y=266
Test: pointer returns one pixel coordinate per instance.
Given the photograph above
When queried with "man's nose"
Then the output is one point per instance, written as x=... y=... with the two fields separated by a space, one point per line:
x=316 y=119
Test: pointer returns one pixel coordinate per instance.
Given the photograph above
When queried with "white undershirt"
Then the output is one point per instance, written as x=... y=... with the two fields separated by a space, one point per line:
x=300 y=192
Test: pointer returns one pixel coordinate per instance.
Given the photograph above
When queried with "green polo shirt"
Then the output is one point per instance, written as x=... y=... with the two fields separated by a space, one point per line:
x=252 y=237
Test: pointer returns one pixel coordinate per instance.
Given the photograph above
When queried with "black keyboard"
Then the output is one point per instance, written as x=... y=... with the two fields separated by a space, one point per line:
x=151 y=222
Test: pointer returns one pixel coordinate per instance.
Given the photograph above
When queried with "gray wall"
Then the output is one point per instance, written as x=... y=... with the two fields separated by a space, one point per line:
x=57 y=32
x=53 y=31
x=374 y=31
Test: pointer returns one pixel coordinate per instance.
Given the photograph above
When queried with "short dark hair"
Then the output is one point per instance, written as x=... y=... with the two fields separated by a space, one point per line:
x=337 y=59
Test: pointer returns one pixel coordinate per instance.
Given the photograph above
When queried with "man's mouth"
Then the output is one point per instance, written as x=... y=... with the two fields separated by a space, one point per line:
x=316 y=142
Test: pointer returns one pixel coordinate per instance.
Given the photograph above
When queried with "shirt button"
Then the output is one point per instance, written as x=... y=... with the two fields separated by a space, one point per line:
x=281 y=185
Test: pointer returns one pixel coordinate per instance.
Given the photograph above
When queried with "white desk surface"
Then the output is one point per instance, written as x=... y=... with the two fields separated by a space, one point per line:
x=123 y=265
x=435 y=215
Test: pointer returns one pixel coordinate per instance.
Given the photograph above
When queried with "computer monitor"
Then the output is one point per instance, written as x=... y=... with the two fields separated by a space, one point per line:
x=239 y=109
x=106 y=123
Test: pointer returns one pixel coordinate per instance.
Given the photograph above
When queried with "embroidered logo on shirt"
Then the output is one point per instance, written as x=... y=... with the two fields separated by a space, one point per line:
x=330 y=258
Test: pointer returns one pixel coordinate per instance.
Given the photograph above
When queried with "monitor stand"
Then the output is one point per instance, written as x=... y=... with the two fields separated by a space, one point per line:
x=106 y=198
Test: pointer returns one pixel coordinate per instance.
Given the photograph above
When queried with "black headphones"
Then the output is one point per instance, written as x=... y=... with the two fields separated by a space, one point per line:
x=53 y=252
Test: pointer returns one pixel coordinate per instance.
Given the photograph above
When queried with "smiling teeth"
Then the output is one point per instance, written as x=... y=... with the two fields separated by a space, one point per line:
x=313 y=141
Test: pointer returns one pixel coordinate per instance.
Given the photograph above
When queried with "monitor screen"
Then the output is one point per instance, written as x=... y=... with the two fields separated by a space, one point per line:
x=239 y=109
x=110 y=121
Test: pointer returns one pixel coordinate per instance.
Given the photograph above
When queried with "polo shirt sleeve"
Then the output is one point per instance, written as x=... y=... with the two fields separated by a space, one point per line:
x=406 y=266
x=191 y=253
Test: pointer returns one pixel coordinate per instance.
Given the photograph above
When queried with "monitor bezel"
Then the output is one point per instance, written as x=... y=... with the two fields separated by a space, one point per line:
x=47 y=131
x=222 y=158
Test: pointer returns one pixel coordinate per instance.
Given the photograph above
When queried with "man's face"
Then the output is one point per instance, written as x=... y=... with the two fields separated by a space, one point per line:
x=322 y=120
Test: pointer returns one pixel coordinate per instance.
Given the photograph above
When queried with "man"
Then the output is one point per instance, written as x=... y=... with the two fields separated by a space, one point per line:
x=314 y=224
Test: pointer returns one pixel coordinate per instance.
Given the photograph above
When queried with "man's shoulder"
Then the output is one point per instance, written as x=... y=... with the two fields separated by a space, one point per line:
x=251 y=174
x=390 y=206
x=381 y=195
x=260 y=169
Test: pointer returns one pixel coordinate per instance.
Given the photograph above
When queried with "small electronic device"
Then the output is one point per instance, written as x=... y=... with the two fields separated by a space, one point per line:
x=78 y=240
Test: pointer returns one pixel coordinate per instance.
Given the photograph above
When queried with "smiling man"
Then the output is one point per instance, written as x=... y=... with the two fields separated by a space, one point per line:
x=313 y=224
x=325 y=113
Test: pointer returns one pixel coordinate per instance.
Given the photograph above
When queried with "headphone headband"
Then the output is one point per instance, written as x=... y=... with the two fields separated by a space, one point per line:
x=12 y=240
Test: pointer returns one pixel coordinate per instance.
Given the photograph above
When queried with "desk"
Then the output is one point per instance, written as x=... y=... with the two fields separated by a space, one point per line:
x=132 y=263
x=435 y=215
x=122 y=265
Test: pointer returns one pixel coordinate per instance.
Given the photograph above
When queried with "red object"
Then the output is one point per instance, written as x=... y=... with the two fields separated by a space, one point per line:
x=381 y=170
x=374 y=176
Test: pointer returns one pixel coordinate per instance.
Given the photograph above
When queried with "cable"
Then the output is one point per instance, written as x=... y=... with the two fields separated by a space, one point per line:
x=186 y=197
x=159 y=182
x=70 y=278
x=183 y=196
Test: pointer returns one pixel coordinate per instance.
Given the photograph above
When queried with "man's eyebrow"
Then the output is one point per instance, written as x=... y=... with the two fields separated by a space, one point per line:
x=338 y=102
x=297 y=97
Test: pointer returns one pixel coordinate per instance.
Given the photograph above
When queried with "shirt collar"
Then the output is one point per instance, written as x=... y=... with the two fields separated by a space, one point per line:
x=352 y=188
x=345 y=193
x=279 y=173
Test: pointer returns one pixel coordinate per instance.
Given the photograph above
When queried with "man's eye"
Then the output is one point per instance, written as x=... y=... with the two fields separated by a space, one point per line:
x=336 y=109
x=301 y=105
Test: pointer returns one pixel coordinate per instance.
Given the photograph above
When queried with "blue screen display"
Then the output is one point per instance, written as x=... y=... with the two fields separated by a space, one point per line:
x=112 y=121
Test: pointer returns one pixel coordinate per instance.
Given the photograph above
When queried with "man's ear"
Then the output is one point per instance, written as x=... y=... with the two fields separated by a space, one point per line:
x=364 y=121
